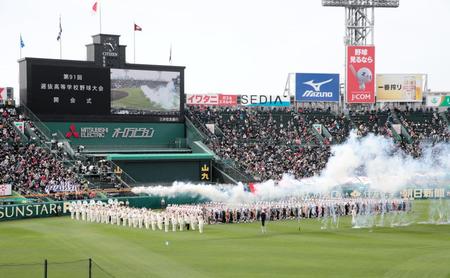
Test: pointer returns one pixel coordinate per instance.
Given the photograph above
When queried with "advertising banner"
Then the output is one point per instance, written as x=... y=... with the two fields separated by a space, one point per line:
x=67 y=187
x=265 y=100
x=210 y=127
x=112 y=135
x=20 y=126
x=205 y=171
x=5 y=189
x=212 y=100
x=11 y=212
x=425 y=193
x=360 y=74
x=318 y=128
x=438 y=101
x=312 y=87
x=400 y=87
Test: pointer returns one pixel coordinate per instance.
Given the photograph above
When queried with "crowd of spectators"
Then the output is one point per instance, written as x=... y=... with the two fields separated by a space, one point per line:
x=267 y=142
x=425 y=126
x=264 y=143
x=28 y=167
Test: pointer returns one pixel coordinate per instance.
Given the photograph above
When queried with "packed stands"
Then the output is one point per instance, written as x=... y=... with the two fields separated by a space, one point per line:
x=268 y=142
x=263 y=143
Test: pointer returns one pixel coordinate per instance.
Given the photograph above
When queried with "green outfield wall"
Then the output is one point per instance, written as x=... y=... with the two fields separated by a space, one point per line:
x=60 y=208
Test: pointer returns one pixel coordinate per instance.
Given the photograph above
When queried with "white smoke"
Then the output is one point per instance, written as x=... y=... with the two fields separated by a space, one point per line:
x=372 y=160
x=166 y=96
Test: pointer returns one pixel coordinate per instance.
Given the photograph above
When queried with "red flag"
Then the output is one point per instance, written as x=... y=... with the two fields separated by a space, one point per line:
x=137 y=27
x=2 y=93
x=94 y=7
x=251 y=186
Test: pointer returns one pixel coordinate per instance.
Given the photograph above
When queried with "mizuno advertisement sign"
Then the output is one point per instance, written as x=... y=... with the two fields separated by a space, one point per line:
x=313 y=87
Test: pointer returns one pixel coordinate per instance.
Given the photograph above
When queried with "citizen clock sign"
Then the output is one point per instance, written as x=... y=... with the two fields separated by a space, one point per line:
x=110 y=47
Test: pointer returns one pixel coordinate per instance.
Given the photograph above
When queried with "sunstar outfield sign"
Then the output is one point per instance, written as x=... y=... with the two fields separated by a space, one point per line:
x=102 y=132
x=11 y=212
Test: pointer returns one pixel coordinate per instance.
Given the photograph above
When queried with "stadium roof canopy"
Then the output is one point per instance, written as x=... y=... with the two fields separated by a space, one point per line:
x=361 y=3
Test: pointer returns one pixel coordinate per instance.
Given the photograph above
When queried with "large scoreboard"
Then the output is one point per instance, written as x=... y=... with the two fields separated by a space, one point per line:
x=87 y=91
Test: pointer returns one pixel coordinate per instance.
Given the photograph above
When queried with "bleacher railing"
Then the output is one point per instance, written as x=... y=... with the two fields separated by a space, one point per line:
x=444 y=117
x=406 y=134
x=229 y=168
x=128 y=180
x=316 y=134
x=395 y=135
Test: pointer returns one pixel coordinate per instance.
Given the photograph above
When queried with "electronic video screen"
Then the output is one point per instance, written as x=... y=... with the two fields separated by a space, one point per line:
x=66 y=90
x=145 y=92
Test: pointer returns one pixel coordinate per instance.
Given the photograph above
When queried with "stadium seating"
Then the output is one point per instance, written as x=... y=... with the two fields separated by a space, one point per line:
x=267 y=142
x=261 y=143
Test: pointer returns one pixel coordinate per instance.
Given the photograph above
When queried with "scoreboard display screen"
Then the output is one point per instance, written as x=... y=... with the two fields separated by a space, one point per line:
x=65 y=90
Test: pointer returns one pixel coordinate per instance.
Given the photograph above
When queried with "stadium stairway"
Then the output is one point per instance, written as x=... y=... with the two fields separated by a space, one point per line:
x=319 y=136
x=406 y=134
x=327 y=134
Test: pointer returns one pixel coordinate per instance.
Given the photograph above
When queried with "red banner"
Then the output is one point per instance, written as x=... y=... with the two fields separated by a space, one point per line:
x=212 y=100
x=360 y=74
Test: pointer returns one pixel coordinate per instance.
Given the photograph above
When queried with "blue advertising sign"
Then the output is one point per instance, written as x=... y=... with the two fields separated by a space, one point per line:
x=312 y=87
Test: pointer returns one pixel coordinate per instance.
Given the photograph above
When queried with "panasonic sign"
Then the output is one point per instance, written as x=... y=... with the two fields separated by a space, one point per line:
x=316 y=87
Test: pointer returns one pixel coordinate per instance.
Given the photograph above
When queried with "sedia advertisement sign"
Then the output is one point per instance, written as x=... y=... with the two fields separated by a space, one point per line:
x=265 y=100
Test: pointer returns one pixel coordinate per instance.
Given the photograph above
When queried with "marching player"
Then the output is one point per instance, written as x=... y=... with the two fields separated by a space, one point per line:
x=201 y=223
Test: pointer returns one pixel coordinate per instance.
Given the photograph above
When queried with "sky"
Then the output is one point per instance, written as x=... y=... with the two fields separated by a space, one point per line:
x=232 y=46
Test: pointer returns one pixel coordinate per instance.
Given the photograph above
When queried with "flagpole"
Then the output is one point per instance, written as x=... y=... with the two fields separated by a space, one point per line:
x=170 y=54
x=20 y=47
x=60 y=48
x=134 y=42
x=60 y=39
x=100 y=15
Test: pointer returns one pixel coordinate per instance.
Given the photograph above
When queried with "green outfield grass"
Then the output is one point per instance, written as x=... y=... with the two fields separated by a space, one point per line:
x=134 y=100
x=233 y=250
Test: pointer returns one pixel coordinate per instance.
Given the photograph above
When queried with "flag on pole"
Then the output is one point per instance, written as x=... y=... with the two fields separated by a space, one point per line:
x=60 y=30
x=22 y=44
x=137 y=27
x=94 y=7
x=170 y=54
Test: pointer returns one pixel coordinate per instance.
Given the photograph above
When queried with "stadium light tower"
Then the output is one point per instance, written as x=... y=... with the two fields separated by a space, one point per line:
x=360 y=18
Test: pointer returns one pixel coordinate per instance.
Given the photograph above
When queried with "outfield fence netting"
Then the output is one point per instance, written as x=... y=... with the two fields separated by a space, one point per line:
x=53 y=269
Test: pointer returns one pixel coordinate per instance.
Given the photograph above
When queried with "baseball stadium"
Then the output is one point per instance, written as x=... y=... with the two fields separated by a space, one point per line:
x=112 y=168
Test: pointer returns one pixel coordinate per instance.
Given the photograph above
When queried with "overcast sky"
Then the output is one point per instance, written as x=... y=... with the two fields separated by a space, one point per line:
x=234 y=46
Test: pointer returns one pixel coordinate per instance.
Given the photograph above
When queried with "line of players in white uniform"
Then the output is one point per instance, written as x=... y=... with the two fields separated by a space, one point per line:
x=192 y=217
x=116 y=213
